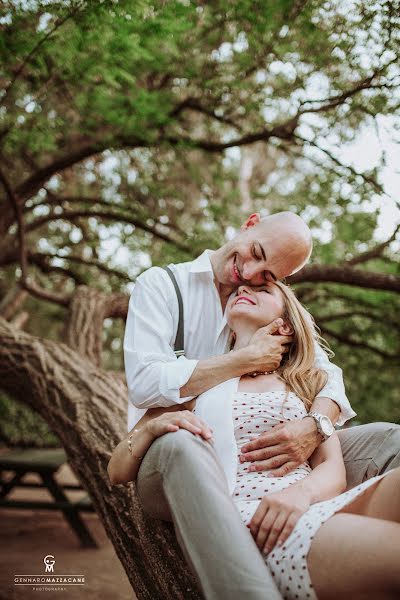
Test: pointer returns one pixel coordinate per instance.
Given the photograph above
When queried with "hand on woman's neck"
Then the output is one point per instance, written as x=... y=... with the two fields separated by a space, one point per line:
x=244 y=335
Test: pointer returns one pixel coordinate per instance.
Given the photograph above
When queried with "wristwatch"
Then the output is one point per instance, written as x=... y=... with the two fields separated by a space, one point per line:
x=324 y=424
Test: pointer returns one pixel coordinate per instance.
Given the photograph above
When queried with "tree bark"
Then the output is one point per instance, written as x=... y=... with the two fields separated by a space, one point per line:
x=86 y=407
x=87 y=311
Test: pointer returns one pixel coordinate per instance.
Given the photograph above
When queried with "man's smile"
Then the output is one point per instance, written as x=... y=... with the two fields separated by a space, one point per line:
x=236 y=270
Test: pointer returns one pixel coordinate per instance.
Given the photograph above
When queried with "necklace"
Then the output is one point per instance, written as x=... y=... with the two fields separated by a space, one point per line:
x=261 y=373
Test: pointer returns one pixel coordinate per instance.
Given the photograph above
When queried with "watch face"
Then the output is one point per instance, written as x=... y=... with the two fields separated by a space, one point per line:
x=327 y=426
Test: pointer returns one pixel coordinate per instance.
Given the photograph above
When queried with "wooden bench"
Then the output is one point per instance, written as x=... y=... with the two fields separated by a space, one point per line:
x=44 y=463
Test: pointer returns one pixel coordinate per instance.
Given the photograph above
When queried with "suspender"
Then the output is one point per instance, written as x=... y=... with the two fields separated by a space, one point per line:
x=179 y=345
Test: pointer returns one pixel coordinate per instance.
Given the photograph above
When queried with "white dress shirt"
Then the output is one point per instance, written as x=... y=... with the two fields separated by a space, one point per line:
x=154 y=375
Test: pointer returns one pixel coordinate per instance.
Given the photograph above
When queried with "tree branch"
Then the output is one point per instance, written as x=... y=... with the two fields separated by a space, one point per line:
x=86 y=262
x=343 y=339
x=357 y=313
x=377 y=187
x=107 y=215
x=375 y=252
x=334 y=101
x=348 y=276
x=25 y=282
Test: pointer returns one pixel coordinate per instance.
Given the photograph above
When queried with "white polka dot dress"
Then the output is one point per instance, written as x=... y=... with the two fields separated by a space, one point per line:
x=254 y=413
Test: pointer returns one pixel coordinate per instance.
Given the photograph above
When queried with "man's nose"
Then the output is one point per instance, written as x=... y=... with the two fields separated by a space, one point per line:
x=251 y=270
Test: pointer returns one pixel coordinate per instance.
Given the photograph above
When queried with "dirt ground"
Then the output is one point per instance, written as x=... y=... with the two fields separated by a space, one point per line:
x=28 y=536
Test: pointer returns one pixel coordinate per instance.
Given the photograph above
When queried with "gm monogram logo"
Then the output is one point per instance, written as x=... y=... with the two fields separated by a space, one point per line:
x=49 y=561
x=49 y=583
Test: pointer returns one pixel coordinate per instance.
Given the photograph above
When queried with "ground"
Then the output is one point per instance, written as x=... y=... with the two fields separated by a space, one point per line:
x=27 y=536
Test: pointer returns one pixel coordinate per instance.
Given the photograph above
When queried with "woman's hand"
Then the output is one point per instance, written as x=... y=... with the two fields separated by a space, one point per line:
x=276 y=516
x=181 y=419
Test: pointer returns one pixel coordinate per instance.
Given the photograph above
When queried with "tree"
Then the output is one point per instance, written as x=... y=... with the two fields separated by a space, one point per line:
x=160 y=124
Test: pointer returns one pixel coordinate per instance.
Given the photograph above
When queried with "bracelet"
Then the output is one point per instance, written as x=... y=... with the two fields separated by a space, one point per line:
x=130 y=445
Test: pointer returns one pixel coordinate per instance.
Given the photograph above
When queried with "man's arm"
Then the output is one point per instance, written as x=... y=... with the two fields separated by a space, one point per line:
x=154 y=375
x=331 y=400
x=332 y=396
x=264 y=354
x=290 y=444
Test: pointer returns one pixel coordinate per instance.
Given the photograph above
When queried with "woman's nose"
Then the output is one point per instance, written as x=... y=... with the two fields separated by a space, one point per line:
x=243 y=289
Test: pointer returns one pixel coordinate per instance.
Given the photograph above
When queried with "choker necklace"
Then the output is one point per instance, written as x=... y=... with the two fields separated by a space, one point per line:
x=261 y=373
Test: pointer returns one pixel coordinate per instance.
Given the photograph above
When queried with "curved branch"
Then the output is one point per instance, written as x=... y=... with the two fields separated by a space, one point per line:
x=25 y=282
x=348 y=276
x=357 y=313
x=86 y=262
x=42 y=262
x=107 y=215
x=334 y=101
x=343 y=339
x=377 y=187
x=375 y=252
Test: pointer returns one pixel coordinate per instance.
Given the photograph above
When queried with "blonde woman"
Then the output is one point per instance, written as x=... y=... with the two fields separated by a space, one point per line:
x=318 y=540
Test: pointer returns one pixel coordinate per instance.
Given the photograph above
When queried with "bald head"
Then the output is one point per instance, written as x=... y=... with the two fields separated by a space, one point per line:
x=294 y=229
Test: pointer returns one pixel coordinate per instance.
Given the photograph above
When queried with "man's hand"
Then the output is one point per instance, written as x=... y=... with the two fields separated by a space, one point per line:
x=276 y=517
x=282 y=449
x=267 y=346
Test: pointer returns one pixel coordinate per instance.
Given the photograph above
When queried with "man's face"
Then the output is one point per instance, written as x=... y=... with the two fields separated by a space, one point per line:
x=257 y=255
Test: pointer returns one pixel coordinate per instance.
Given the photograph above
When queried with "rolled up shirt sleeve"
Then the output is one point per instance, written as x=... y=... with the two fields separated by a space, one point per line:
x=154 y=375
x=334 y=388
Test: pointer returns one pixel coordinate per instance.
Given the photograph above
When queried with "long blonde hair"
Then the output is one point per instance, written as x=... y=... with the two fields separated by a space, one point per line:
x=297 y=368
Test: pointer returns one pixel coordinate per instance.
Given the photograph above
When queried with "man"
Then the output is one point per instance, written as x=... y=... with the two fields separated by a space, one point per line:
x=180 y=477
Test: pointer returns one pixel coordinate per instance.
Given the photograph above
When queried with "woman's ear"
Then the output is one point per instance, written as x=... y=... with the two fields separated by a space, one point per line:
x=286 y=329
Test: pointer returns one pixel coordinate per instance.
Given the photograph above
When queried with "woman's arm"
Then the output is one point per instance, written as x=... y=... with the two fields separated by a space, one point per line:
x=124 y=466
x=278 y=512
x=328 y=476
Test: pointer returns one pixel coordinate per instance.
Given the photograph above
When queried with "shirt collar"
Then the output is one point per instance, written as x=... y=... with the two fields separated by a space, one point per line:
x=202 y=264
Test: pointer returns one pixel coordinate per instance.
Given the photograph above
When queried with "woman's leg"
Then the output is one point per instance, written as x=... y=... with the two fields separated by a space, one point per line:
x=356 y=552
x=355 y=557
x=381 y=501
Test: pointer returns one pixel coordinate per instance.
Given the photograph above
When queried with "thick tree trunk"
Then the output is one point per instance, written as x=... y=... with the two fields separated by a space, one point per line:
x=87 y=311
x=86 y=407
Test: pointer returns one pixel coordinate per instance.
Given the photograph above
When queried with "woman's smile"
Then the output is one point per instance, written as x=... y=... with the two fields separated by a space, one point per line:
x=244 y=300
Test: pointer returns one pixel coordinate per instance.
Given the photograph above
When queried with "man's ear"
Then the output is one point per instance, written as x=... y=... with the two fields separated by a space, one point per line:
x=252 y=220
x=286 y=329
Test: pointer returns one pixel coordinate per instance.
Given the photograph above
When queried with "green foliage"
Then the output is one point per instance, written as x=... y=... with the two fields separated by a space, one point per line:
x=113 y=121
x=20 y=426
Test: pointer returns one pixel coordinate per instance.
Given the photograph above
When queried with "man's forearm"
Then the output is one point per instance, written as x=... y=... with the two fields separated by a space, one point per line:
x=327 y=407
x=213 y=371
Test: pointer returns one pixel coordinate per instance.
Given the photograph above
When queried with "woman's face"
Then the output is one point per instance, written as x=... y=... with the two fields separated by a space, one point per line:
x=258 y=305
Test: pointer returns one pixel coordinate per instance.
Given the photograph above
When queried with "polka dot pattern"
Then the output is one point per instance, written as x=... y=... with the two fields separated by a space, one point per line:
x=253 y=414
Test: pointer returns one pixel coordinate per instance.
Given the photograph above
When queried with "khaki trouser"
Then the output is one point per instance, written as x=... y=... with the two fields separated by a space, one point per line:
x=181 y=480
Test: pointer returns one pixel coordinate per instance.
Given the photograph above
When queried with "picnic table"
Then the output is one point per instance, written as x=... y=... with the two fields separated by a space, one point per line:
x=45 y=463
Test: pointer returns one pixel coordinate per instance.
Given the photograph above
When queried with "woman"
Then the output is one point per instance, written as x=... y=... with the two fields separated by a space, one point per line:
x=318 y=540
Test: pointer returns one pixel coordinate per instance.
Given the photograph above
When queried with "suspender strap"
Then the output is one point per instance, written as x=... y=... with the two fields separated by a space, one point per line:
x=179 y=346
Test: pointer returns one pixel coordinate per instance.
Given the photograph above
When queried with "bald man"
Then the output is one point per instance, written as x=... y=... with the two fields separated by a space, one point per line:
x=181 y=478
